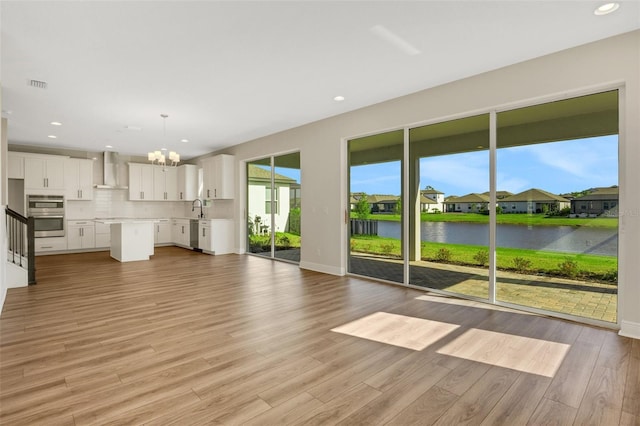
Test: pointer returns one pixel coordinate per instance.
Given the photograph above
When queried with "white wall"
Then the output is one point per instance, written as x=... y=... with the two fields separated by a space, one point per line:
x=572 y=72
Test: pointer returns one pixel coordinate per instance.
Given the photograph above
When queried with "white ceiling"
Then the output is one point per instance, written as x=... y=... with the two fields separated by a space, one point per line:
x=229 y=72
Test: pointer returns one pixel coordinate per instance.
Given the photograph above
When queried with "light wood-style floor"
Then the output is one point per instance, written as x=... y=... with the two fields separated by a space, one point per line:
x=188 y=339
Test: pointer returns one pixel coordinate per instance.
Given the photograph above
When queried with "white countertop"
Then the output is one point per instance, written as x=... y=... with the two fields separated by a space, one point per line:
x=125 y=220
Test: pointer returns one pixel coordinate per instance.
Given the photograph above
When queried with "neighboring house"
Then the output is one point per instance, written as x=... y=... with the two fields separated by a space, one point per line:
x=431 y=200
x=354 y=198
x=599 y=201
x=500 y=195
x=533 y=201
x=259 y=193
x=470 y=203
x=383 y=203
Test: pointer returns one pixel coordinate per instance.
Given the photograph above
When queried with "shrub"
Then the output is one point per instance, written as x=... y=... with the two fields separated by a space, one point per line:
x=568 y=268
x=611 y=276
x=443 y=255
x=481 y=257
x=283 y=241
x=521 y=264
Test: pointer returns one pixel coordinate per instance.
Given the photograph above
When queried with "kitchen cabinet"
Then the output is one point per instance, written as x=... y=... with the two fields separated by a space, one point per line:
x=103 y=235
x=162 y=232
x=165 y=183
x=50 y=244
x=180 y=234
x=141 y=181
x=80 y=234
x=78 y=179
x=44 y=174
x=215 y=236
x=218 y=177
x=15 y=165
x=187 y=182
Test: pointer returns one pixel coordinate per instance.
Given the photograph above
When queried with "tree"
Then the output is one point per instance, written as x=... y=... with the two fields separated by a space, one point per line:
x=362 y=209
x=397 y=209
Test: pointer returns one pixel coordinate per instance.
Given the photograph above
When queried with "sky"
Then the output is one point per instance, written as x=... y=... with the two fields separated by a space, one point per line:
x=558 y=167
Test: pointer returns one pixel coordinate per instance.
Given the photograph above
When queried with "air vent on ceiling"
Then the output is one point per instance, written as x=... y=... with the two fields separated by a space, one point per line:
x=38 y=84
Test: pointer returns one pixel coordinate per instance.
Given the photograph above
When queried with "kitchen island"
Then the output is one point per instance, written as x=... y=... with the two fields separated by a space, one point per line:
x=131 y=239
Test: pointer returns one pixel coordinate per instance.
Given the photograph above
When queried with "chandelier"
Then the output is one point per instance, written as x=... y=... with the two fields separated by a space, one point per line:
x=158 y=157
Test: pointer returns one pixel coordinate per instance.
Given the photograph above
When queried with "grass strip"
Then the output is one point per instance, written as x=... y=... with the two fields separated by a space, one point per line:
x=583 y=266
x=508 y=219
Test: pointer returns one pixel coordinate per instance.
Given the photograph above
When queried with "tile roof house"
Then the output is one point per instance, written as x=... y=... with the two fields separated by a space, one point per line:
x=599 y=201
x=533 y=201
x=431 y=200
x=470 y=203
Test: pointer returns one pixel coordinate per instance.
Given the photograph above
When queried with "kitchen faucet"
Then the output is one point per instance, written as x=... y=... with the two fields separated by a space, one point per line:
x=193 y=207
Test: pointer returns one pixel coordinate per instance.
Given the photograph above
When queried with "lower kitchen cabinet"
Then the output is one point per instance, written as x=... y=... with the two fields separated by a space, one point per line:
x=50 y=244
x=180 y=234
x=103 y=235
x=215 y=236
x=80 y=234
x=162 y=234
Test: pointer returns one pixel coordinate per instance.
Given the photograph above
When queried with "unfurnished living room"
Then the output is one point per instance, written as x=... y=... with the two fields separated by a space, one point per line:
x=309 y=212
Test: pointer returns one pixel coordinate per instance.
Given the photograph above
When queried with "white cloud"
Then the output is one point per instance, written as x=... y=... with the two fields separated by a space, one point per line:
x=463 y=173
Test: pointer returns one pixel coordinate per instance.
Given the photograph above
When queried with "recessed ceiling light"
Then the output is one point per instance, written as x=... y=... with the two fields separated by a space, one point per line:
x=56 y=123
x=184 y=140
x=339 y=98
x=108 y=146
x=606 y=9
x=52 y=137
x=163 y=149
x=135 y=128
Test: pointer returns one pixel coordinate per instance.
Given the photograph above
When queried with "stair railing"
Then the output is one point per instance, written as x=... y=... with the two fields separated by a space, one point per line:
x=21 y=239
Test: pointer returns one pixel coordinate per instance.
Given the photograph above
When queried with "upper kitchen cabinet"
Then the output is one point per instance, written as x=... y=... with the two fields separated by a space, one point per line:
x=218 y=177
x=187 y=182
x=140 y=182
x=44 y=174
x=15 y=165
x=165 y=183
x=78 y=179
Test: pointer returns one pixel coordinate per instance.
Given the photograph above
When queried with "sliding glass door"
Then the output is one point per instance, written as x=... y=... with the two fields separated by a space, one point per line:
x=274 y=207
x=376 y=219
x=557 y=233
x=516 y=207
x=449 y=200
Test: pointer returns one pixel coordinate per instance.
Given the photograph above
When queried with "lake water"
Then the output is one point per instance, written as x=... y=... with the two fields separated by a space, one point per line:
x=551 y=238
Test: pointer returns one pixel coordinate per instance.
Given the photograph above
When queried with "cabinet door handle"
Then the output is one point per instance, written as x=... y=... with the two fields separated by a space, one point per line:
x=208 y=194
x=203 y=229
x=183 y=229
x=215 y=193
x=181 y=195
x=81 y=194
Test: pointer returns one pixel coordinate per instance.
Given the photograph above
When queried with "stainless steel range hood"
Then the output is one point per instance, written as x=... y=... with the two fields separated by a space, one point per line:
x=111 y=171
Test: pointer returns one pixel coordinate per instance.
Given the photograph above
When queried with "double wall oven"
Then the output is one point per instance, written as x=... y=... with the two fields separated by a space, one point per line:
x=48 y=214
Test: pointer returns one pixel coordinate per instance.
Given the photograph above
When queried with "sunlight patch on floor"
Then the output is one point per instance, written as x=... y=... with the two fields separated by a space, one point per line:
x=519 y=353
x=398 y=330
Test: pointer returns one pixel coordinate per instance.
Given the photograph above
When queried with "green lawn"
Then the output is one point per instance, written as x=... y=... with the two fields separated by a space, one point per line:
x=512 y=219
x=583 y=266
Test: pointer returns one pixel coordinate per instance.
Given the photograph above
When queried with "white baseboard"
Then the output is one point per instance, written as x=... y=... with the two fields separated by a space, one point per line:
x=630 y=329
x=318 y=267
